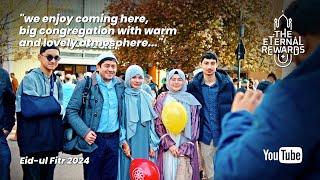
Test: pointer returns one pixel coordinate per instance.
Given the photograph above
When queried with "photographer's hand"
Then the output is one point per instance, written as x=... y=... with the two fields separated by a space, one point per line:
x=248 y=101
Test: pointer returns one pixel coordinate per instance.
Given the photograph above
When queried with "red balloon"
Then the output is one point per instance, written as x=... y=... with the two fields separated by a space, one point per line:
x=143 y=169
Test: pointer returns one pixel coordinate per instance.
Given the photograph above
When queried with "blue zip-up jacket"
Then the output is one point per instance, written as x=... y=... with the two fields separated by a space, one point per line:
x=287 y=117
x=43 y=133
x=225 y=97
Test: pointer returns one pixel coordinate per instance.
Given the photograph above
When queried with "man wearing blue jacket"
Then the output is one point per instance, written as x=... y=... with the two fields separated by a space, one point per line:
x=288 y=116
x=7 y=109
x=215 y=91
x=40 y=136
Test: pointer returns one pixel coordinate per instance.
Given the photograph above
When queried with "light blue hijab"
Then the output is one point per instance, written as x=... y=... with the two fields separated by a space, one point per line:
x=183 y=97
x=132 y=109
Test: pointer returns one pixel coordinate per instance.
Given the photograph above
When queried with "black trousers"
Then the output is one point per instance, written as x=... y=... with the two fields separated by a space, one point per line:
x=38 y=171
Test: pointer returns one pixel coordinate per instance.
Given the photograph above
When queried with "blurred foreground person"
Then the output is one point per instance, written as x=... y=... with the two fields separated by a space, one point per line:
x=288 y=116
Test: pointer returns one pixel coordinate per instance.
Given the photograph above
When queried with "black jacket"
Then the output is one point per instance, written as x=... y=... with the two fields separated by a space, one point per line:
x=7 y=102
x=225 y=98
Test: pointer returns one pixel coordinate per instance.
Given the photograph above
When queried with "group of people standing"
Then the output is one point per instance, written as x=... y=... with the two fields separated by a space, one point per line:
x=119 y=121
x=121 y=115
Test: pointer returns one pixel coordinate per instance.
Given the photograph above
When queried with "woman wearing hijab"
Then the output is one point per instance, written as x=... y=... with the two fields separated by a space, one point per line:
x=178 y=158
x=138 y=137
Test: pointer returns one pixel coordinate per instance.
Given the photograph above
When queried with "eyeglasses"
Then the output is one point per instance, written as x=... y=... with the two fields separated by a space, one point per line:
x=50 y=57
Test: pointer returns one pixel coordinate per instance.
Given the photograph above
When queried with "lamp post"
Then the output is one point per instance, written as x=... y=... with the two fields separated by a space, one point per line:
x=158 y=73
x=240 y=51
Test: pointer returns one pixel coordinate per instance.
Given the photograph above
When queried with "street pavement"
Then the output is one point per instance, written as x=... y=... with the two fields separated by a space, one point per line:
x=62 y=172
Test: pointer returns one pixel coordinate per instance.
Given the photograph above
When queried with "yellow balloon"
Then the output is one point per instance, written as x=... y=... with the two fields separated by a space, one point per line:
x=174 y=117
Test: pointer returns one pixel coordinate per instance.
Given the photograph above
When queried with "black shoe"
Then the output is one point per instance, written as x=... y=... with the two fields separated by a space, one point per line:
x=201 y=174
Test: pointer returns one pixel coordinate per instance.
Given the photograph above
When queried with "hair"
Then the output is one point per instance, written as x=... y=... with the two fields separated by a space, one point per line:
x=305 y=16
x=12 y=74
x=263 y=85
x=234 y=80
x=44 y=48
x=148 y=77
x=209 y=55
x=57 y=73
x=273 y=76
x=68 y=77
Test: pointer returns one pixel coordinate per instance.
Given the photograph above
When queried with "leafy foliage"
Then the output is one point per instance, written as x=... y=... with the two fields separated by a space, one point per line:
x=201 y=26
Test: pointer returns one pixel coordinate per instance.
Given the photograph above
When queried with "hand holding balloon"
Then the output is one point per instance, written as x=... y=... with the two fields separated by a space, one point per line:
x=152 y=153
x=126 y=149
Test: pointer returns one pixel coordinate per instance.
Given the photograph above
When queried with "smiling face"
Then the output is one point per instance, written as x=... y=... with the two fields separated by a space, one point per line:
x=136 y=81
x=176 y=83
x=49 y=60
x=107 y=70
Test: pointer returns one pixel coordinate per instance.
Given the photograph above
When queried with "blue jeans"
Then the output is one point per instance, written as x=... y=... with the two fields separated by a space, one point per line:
x=103 y=161
x=5 y=158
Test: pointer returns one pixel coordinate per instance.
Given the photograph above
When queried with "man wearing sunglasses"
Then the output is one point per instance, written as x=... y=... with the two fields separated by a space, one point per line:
x=40 y=135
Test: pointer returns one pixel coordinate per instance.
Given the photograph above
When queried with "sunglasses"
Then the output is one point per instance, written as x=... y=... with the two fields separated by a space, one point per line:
x=50 y=57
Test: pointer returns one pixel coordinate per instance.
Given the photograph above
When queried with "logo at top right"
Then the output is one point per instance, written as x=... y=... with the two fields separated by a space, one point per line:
x=283 y=45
